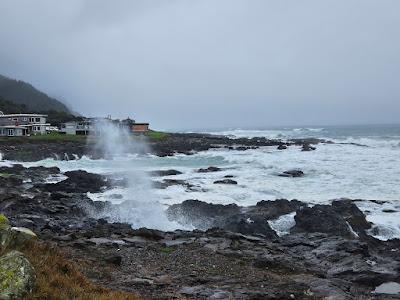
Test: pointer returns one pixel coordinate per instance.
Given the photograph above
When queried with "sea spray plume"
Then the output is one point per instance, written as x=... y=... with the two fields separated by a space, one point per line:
x=142 y=207
x=110 y=140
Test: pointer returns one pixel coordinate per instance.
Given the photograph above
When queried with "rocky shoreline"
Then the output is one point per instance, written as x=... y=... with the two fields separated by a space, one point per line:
x=34 y=149
x=234 y=254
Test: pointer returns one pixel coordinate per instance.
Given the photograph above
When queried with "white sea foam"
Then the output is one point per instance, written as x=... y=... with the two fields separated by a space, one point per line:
x=283 y=224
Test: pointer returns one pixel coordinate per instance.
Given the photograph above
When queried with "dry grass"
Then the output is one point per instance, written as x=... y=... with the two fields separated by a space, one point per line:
x=58 y=278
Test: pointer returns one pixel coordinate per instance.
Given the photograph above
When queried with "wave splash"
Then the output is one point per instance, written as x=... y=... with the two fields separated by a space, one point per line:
x=142 y=207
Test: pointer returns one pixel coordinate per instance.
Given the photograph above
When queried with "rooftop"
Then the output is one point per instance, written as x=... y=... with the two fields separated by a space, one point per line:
x=2 y=115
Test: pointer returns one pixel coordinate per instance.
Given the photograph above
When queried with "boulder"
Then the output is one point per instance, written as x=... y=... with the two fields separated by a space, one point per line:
x=209 y=170
x=162 y=173
x=276 y=208
x=282 y=147
x=352 y=214
x=225 y=181
x=200 y=214
x=78 y=182
x=321 y=218
x=15 y=237
x=249 y=225
x=21 y=236
x=292 y=173
x=171 y=182
x=307 y=147
x=17 y=276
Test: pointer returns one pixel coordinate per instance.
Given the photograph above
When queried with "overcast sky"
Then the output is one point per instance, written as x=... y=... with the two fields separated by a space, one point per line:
x=218 y=63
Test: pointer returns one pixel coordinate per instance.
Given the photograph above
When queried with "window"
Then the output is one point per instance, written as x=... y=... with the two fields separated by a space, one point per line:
x=10 y=132
x=37 y=120
x=25 y=119
x=15 y=119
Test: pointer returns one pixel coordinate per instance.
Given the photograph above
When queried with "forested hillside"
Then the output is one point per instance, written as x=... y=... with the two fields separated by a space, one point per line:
x=22 y=93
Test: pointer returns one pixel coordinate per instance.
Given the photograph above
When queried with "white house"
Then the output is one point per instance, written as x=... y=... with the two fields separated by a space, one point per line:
x=77 y=127
x=22 y=124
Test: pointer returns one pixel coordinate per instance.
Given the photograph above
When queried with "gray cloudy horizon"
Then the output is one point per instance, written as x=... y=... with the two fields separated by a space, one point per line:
x=202 y=64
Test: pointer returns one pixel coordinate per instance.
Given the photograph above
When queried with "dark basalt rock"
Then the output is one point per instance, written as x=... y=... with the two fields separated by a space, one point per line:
x=162 y=173
x=292 y=173
x=200 y=214
x=33 y=175
x=114 y=259
x=308 y=147
x=150 y=234
x=225 y=181
x=78 y=182
x=209 y=170
x=276 y=208
x=282 y=147
x=248 y=224
x=352 y=214
x=171 y=182
x=321 y=218
x=243 y=260
x=185 y=143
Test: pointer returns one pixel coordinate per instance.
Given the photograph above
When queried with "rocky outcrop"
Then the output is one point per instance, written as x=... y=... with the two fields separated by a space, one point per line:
x=249 y=225
x=234 y=254
x=162 y=173
x=276 y=208
x=200 y=214
x=352 y=214
x=209 y=170
x=292 y=173
x=70 y=148
x=307 y=147
x=225 y=181
x=324 y=219
x=171 y=182
x=204 y=215
x=78 y=182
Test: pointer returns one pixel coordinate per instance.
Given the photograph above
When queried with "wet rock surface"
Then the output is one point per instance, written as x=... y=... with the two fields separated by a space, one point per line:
x=78 y=182
x=209 y=170
x=26 y=149
x=162 y=173
x=226 y=181
x=235 y=255
x=292 y=173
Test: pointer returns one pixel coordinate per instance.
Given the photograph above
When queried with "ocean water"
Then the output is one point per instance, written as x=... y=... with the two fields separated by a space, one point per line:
x=363 y=163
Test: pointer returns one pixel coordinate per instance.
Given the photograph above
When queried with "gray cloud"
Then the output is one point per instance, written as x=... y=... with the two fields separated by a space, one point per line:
x=188 y=64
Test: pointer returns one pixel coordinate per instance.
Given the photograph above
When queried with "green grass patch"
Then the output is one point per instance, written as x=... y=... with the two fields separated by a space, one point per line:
x=167 y=250
x=5 y=175
x=157 y=135
x=55 y=136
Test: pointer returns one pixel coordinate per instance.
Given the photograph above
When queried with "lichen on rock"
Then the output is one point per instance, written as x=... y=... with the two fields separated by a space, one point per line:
x=3 y=221
x=17 y=276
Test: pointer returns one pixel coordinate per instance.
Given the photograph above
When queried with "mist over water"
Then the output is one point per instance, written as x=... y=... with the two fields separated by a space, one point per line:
x=142 y=207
